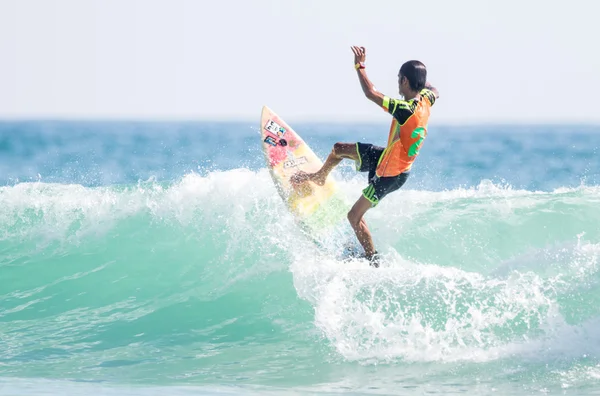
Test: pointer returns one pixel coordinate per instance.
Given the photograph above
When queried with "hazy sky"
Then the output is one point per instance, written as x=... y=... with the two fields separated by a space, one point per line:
x=493 y=61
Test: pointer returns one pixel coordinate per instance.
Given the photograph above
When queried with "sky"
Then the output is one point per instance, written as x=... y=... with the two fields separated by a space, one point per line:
x=527 y=61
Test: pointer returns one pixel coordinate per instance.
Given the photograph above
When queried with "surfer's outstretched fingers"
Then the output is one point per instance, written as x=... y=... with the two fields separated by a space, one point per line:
x=345 y=150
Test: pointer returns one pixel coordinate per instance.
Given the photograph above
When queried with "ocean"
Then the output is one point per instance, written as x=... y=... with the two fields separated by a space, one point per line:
x=152 y=258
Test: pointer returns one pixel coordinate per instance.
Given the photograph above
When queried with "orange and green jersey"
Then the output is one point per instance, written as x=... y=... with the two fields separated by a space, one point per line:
x=407 y=132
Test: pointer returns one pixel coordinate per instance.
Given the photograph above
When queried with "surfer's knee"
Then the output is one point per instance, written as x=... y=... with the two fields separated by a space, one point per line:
x=354 y=218
x=338 y=149
x=343 y=150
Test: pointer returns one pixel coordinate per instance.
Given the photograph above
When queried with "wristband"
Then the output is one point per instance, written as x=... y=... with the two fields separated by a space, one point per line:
x=359 y=65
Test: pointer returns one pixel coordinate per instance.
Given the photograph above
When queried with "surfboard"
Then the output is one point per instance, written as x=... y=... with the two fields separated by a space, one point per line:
x=320 y=211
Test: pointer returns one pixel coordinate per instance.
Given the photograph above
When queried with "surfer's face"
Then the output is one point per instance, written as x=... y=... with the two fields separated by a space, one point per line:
x=402 y=84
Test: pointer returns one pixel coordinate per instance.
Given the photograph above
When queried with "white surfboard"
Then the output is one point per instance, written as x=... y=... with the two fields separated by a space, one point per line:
x=321 y=211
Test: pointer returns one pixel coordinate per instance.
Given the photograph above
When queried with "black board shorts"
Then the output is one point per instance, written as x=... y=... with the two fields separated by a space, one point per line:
x=379 y=187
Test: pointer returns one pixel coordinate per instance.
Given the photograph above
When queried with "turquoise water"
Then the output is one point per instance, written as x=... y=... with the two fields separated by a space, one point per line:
x=157 y=258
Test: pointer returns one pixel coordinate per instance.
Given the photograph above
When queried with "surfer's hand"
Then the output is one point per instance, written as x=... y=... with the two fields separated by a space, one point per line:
x=359 y=54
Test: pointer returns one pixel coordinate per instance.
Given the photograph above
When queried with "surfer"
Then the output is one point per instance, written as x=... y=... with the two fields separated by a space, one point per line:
x=388 y=167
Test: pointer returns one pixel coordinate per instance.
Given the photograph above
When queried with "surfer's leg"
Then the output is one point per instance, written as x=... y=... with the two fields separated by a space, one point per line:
x=338 y=153
x=377 y=189
x=358 y=223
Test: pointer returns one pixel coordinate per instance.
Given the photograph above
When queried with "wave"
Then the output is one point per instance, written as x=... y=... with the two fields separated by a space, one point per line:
x=469 y=274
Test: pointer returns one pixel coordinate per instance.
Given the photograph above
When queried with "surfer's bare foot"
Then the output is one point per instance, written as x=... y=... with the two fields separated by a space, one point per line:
x=300 y=177
x=318 y=178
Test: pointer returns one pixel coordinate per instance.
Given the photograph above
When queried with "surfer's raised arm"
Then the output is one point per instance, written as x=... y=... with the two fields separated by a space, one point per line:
x=367 y=86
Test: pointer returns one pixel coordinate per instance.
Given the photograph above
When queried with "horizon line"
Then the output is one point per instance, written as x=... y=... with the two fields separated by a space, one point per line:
x=292 y=120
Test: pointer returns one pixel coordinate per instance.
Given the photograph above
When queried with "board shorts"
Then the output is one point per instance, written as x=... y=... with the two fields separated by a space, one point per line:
x=379 y=187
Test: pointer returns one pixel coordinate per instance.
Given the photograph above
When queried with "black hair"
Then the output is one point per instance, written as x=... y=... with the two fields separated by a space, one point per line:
x=416 y=73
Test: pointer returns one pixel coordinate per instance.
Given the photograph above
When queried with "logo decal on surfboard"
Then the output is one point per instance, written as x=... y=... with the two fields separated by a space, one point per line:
x=294 y=162
x=271 y=140
x=275 y=128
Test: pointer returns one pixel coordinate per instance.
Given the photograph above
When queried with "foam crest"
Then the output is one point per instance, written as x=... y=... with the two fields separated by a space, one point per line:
x=57 y=211
x=421 y=312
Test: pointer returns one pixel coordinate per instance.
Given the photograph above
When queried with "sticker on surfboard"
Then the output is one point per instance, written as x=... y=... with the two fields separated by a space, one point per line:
x=270 y=140
x=275 y=128
x=291 y=163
